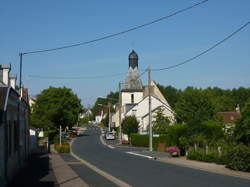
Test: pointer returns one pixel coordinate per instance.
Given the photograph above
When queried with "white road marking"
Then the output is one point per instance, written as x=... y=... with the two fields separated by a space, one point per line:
x=132 y=153
x=99 y=171
x=111 y=147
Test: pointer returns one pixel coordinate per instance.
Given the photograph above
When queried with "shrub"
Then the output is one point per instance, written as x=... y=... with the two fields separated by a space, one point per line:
x=64 y=148
x=239 y=158
x=142 y=140
x=174 y=150
x=139 y=140
x=195 y=155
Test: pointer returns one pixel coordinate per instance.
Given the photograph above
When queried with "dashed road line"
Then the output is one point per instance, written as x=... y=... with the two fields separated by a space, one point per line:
x=137 y=154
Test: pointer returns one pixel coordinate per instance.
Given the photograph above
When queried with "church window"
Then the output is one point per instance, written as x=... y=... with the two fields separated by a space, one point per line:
x=132 y=98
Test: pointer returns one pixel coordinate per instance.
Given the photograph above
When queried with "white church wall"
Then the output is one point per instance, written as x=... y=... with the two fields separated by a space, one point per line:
x=126 y=97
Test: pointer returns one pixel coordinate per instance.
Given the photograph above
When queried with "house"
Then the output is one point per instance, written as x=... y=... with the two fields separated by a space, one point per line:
x=87 y=113
x=229 y=119
x=135 y=98
x=101 y=114
x=14 y=126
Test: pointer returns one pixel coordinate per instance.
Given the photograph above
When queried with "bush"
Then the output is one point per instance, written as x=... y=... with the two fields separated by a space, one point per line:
x=51 y=133
x=239 y=158
x=64 y=148
x=139 y=140
x=142 y=140
x=211 y=156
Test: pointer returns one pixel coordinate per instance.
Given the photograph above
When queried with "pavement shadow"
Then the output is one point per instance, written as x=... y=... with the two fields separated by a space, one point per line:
x=38 y=172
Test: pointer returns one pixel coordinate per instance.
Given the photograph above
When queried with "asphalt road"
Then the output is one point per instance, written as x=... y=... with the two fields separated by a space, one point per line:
x=139 y=171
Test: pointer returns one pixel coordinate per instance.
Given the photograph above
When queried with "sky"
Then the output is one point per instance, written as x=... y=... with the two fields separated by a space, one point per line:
x=30 y=25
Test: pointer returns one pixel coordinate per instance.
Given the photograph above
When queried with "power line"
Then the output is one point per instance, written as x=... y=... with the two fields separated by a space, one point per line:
x=83 y=77
x=118 y=33
x=80 y=77
x=206 y=51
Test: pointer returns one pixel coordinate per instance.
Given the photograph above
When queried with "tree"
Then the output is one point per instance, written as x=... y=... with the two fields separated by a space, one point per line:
x=112 y=97
x=242 y=127
x=161 y=123
x=194 y=107
x=170 y=93
x=55 y=107
x=130 y=125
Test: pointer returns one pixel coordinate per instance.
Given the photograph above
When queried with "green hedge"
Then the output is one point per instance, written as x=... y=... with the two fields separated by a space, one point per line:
x=239 y=158
x=140 y=140
x=211 y=156
x=64 y=148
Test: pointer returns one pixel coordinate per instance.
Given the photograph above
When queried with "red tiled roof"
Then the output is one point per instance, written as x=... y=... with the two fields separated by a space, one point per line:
x=229 y=117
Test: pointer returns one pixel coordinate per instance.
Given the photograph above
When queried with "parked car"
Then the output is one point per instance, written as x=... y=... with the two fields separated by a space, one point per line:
x=110 y=136
x=80 y=133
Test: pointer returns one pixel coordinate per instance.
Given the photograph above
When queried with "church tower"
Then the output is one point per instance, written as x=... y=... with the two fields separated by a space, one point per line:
x=132 y=93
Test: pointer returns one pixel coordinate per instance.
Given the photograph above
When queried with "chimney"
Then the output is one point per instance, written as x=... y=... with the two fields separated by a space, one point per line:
x=5 y=69
x=12 y=80
x=237 y=108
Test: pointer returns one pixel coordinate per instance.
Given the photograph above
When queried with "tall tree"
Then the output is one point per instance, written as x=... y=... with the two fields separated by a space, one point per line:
x=130 y=125
x=161 y=123
x=55 y=107
x=194 y=107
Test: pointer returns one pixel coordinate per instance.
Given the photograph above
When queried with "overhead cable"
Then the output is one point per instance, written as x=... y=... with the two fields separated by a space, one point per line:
x=118 y=33
x=206 y=51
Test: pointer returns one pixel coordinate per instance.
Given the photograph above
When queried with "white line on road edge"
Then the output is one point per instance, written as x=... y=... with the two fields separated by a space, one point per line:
x=132 y=153
x=111 y=147
x=99 y=171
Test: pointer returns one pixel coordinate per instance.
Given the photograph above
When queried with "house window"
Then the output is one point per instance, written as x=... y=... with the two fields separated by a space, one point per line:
x=134 y=112
x=132 y=98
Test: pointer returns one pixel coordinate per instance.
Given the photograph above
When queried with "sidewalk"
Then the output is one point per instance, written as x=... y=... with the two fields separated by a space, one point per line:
x=210 y=167
x=65 y=176
x=38 y=172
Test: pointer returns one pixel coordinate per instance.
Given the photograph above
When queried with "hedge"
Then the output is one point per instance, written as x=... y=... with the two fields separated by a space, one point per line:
x=64 y=148
x=239 y=158
x=211 y=156
x=140 y=140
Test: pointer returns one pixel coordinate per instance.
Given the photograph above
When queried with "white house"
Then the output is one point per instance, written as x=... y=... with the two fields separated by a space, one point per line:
x=135 y=99
x=14 y=126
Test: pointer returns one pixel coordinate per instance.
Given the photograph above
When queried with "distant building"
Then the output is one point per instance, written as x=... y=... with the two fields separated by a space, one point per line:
x=229 y=118
x=135 y=98
x=14 y=126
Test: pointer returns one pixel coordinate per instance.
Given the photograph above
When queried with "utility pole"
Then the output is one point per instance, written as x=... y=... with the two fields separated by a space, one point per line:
x=20 y=71
x=109 y=104
x=149 y=110
x=60 y=134
x=120 y=113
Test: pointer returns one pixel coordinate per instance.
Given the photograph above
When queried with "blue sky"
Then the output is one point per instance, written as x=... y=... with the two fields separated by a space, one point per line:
x=32 y=25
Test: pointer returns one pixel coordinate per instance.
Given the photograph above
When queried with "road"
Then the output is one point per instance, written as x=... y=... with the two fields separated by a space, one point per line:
x=139 y=171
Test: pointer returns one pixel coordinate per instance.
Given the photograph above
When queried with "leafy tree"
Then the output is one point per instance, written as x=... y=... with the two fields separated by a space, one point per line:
x=170 y=93
x=242 y=127
x=55 y=107
x=130 y=125
x=112 y=97
x=161 y=123
x=194 y=107
x=223 y=103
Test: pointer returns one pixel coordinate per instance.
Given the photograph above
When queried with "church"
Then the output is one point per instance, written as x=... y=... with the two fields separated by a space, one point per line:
x=135 y=98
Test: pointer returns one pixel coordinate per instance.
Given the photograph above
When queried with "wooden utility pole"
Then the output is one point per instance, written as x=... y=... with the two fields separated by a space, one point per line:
x=150 y=111
x=120 y=113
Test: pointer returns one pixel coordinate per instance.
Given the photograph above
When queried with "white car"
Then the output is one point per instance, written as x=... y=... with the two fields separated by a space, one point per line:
x=110 y=136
